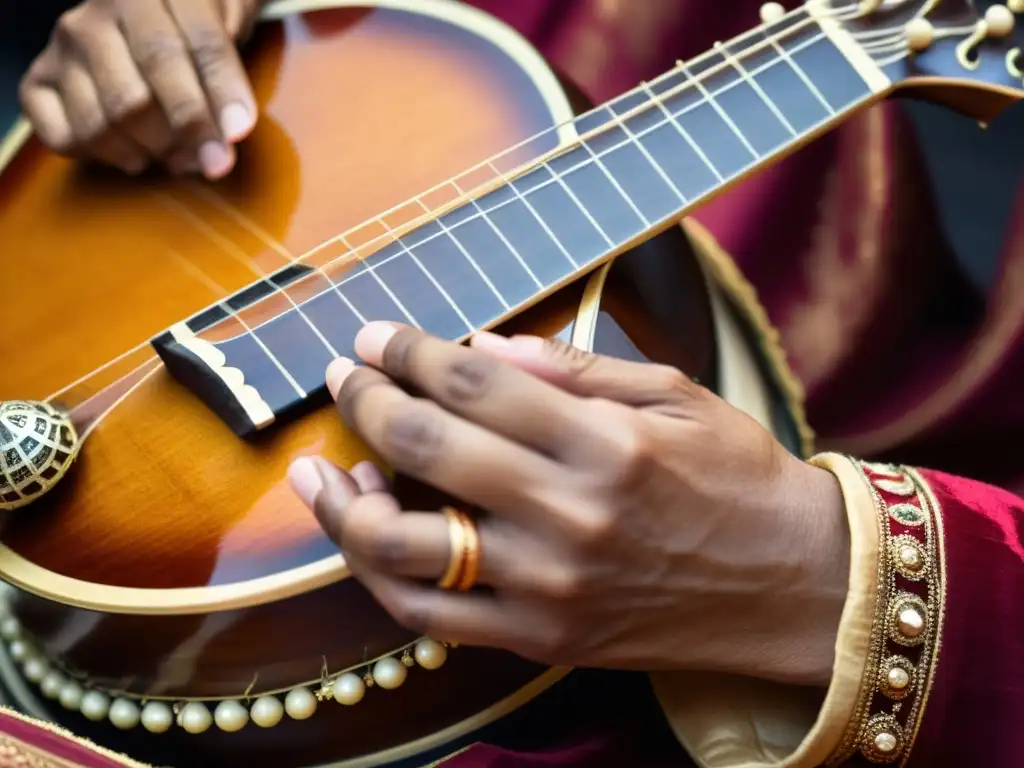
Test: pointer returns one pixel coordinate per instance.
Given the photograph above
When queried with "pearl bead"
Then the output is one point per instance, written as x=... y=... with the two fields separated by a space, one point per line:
x=19 y=650
x=71 y=696
x=1017 y=6
x=1000 y=21
x=910 y=557
x=898 y=678
x=430 y=654
x=772 y=12
x=920 y=34
x=124 y=714
x=885 y=742
x=195 y=718
x=10 y=628
x=157 y=717
x=35 y=669
x=300 y=703
x=389 y=673
x=911 y=623
x=267 y=711
x=95 y=706
x=52 y=685
x=230 y=716
x=348 y=689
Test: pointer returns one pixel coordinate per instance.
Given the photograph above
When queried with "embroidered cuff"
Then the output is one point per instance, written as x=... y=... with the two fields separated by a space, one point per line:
x=885 y=649
x=907 y=620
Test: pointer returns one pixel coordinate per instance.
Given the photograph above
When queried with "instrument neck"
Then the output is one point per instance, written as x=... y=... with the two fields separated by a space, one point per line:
x=617 y=175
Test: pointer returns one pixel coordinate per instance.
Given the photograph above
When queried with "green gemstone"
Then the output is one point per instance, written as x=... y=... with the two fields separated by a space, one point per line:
x=907 y=514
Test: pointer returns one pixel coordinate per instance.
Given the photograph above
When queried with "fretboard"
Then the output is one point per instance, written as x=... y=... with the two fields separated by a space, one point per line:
x=638 y=164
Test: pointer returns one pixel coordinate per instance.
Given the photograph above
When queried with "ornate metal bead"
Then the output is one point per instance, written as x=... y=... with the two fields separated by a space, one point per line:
x=38 y=444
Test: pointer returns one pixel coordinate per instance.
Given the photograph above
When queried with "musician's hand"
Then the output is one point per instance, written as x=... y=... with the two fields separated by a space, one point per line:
x=127 y=82
x=635 y=519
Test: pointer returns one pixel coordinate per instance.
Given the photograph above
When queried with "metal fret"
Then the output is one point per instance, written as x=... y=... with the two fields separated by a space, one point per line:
x=647 y=155
x=537 y=216
x=466 y=254
x=433 y=281
x=671 y=120
x=738 y=66
x=385 y=288
x=717 y=107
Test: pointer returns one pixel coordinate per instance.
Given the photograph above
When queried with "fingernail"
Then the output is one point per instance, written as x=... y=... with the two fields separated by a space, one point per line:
x=486 y=341
x=372 y=339
x=527 y=346
x=337 y=372
x=235 y=122
x=305 y=480
x=215 y=159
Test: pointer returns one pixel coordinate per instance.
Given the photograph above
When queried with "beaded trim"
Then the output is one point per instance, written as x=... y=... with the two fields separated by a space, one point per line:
x=907 y=619
x=127 y=711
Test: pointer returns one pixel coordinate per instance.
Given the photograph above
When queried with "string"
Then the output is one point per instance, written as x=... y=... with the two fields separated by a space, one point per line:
x=654 y=101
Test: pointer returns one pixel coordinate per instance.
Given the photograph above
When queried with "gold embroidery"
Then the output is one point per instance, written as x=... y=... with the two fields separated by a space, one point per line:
x=897 y=677
x=114 y=757
x=908 y=557
x=901 y=487
x=907 y=619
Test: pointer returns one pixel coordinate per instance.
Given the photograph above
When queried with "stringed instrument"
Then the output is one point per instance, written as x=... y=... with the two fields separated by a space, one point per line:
x=164 y=340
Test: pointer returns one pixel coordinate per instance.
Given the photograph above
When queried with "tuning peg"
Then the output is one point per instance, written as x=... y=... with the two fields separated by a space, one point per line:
x=999 y=20
x=772 y=12
x=998 y=23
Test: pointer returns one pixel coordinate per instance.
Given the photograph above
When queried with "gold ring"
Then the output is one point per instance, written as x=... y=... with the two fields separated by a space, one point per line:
x=457 y=546
x=471 y=565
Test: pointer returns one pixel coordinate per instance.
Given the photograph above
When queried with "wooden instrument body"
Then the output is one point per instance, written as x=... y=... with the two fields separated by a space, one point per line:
x=173 y=561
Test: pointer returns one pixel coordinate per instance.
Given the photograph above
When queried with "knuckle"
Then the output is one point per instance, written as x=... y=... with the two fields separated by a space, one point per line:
x=153 y=54
x=73 y=24
x=123 y=103
x=673 y=380
x=399 y=351
x=469 y=377
x=385 y=550
x=411 y=614
x=574 y=359
x=631 y=459
x=211 y=48
x=414 y=434
x=592 y=531
x=563 y=584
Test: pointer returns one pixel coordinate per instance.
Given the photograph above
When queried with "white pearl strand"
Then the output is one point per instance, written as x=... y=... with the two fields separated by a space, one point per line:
x=195 y=717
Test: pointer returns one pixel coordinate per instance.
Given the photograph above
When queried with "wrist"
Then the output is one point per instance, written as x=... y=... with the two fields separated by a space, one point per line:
x=792 y=638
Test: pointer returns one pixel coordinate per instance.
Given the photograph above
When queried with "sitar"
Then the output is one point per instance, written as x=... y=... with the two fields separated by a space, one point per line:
x=164 y=341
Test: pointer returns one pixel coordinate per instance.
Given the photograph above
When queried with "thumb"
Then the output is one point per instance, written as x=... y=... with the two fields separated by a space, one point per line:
x=589 y=375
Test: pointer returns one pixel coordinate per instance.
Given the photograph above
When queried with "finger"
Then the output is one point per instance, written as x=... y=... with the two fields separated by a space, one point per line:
x=417 y=437
x=44 y=109
x=486 y=391
x=124 y=94
x=473 y=618
x=589 y=375
x=219 y=66
x=163 y=57
x=89 y=123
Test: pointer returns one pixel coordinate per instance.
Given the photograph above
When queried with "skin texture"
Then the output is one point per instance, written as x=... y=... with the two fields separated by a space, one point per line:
x=634 y=519
x=133 y=82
